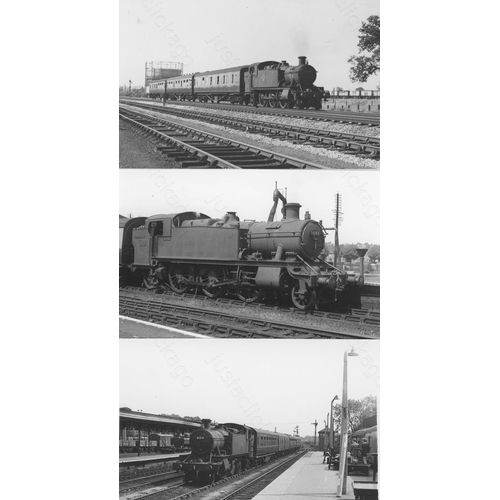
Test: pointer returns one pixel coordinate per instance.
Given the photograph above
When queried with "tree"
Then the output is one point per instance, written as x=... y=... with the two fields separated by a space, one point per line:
x=359 y=409
x=374 y=253
x=348 y=252
x=364 y=66
x=194 y=419
x=329 y=247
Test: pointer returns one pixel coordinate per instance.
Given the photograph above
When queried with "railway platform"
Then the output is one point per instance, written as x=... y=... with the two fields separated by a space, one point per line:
x=149 y=459
x=310 y=479
x=130 y=328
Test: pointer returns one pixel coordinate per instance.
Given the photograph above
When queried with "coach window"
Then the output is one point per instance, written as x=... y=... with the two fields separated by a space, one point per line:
x=217 y=80
x=210 y=80
x=232 y=78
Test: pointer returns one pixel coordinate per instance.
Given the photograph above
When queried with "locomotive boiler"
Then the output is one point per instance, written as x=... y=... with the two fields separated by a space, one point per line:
x=227 y=449
x=191 y=251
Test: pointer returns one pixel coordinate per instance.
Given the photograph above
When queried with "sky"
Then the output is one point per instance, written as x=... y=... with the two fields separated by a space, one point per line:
x=148 y=192
x=224 y=33
x=262 y=383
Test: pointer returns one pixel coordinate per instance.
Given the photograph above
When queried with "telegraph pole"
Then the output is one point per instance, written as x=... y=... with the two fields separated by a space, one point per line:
x=296 y=431
x=338 y=219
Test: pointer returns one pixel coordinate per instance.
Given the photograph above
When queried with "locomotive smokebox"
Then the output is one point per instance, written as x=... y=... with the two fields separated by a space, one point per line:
x=292 y=211
x=205 y=423
x=302 y=60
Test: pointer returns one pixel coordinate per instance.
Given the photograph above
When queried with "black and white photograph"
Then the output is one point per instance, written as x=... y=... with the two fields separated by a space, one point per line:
x=261 y=84
x=283 y=255
x=238 y=348
x=265 y=422
x=249 y=249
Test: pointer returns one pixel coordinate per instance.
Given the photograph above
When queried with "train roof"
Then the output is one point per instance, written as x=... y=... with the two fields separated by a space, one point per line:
x=260 y=64
x=182 y=215
x=222 y=70
x=264 y=431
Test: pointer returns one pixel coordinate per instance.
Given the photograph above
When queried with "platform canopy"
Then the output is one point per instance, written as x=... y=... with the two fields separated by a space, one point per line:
x=129 y=417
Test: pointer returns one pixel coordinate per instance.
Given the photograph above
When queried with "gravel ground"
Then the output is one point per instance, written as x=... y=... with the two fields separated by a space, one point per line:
x=136 y=151
x=331 y=159
x=263 y=314
x=298 y=122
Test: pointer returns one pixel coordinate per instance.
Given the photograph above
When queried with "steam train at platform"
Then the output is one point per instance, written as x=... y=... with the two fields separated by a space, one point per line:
x=268 y=83
x=272 y=260
x=229 y=449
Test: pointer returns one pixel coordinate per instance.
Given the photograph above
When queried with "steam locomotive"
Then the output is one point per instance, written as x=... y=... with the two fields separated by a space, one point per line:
x=268 y=83
x=229 y=449
x=191 y=251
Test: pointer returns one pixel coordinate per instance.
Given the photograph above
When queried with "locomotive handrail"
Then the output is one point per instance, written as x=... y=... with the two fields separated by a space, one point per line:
x=312 y=269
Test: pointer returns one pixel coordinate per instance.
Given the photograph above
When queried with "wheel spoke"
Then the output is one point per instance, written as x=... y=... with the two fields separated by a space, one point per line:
x=303 y=299
x=211 y=276
x=177 y=277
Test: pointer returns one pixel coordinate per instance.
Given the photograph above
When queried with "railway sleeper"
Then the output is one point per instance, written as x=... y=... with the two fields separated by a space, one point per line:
x=257 y=161
x=190 y=164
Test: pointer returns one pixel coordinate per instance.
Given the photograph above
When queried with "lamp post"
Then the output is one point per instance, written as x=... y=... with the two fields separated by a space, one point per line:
x=342 y=484
x=326 y=429
x=324 y=434
x=331 y=421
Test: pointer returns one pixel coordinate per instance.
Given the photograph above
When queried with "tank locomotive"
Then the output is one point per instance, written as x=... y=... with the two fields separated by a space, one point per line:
x=228 y=449
x=268 y=83
x=191 y=251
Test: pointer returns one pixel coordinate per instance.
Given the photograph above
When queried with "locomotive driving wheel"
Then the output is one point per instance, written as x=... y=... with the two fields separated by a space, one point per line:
x=176 y=278
x=282 y=104
x=209 y=277
x=249 y=295
x=273 y=99
x=263 y=100
x=303 y=299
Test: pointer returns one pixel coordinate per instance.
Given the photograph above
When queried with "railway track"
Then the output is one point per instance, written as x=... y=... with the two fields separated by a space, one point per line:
x=172 y=492
x=194 y=148
x=361 y=316
x=220 y=324
x=181 y=491
x=347 y=117
x=350 y=144
x=127 y=484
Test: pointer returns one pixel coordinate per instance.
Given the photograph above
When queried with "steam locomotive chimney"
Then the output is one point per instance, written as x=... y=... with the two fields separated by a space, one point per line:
x=292 y=211
x=205 y=423
x=302 y=60
x=232 y=217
